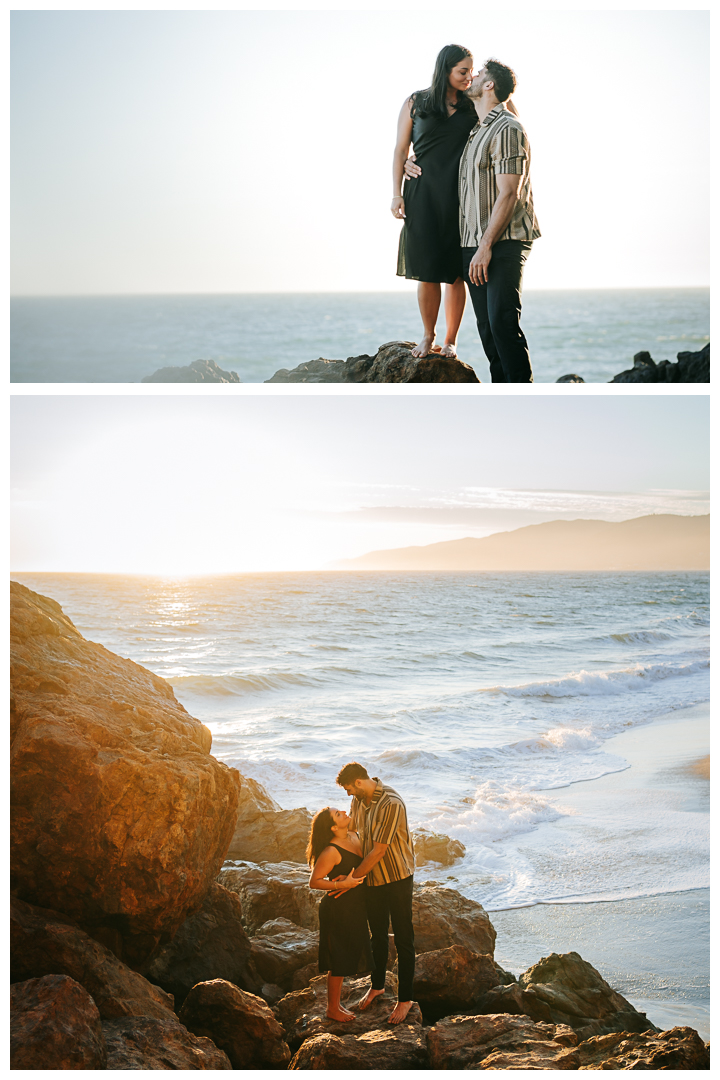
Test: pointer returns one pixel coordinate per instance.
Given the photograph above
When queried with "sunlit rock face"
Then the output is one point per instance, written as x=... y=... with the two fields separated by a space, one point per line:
x=120 y=816
x=393 y=362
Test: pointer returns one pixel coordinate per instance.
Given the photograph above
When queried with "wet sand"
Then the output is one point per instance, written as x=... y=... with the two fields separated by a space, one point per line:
x=653 y=949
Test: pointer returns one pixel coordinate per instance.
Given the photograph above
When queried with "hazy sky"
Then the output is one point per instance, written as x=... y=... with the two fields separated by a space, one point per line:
x=229 y=151
x=208 y=484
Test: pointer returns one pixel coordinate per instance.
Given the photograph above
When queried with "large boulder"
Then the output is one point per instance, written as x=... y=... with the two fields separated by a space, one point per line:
x=453 y=980
x=241 y=1024
x=280 y=948
x=691 y=367
x=678 y=1048
x=443 y=917
x=211 y=944
x=264 y=832
x=392 y=362
x=303 y=1012
x=144 y=1042
x=463 y=1042
x=54 y=1024
x=392 y=1048
x=577 y=995
x=47 y=943
x=120 y=817
x=273 y=891
x=198 y=371
x=436 y=848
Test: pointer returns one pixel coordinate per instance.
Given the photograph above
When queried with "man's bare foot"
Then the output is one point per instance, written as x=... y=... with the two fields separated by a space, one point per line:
x=369 y=998
x=449 y=350
x=399 y=1012
x=424 y=346
x=340 y=1014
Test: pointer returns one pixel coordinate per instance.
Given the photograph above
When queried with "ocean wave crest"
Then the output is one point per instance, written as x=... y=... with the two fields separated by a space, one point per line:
x=236 y=685
x=592 y=683
x=641 y=637
x=496 y=813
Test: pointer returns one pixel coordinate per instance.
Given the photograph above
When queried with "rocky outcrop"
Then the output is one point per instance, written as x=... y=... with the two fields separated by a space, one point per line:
x=199 y=371
x=576 y=995
x=264 y=832
x=47 y=943
x=280 y=948
x=443 y=917
x=302 y=1013
x=120 y=817
x=273 y=891
x=453 y=980
x=691 y=367
x=397 y=1047
x=240 y=1024
x=392 y=363
x=436 y=848
x=144 y=1042
x=211 y=944
x=571 y=379
x=464 y=1042
x=54 y=1024
x=678 y=1048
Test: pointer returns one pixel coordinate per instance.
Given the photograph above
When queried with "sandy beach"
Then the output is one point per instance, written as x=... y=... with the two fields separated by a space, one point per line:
x=654 y=949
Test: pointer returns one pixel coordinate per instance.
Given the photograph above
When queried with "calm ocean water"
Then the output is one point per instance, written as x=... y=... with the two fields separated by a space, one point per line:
x=480 y=697
x=593 y=333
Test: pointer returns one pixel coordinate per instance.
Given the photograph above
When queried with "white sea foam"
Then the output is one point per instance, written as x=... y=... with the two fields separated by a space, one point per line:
x=590 y=683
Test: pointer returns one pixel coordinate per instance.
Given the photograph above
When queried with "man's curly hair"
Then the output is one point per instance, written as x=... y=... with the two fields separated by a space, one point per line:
x=503 y=77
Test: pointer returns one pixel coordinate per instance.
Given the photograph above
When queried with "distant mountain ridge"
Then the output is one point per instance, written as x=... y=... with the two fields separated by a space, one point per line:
x=652 y=542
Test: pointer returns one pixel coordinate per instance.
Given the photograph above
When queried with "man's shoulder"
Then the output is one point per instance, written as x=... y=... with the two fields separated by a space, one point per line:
x=391 y=795
x=507 y=120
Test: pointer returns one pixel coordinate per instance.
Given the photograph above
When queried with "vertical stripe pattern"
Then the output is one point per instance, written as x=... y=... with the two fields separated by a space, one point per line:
x=497 y=145
x=384 y=821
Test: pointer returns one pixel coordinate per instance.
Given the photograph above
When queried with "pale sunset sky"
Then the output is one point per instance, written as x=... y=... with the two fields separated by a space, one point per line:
x=234 y=151
x=189 y=484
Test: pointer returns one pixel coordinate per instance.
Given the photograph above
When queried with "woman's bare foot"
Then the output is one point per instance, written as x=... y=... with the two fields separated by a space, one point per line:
x=399 y=1012
x=449 y=350
x=340 y=1014
x=369 y=998
x=424 y=346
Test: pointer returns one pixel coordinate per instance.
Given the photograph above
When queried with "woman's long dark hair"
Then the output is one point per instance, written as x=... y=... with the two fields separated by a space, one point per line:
x=321 y=834
x=431 y=102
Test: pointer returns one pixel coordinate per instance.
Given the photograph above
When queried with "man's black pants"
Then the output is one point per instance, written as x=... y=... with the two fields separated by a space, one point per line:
x=497 y=307
x=385 y=903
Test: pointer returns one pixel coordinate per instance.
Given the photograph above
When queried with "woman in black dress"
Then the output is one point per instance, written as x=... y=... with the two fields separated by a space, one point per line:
x=334 y=852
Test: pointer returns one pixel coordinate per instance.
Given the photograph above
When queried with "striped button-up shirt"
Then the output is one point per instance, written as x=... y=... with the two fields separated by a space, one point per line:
x=384 y=821
x=497 y=145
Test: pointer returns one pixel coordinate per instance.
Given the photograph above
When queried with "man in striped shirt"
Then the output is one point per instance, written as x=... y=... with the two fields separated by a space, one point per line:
x=388 y=866
x=497 y=221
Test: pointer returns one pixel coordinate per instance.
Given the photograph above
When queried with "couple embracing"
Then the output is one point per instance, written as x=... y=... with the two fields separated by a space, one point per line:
x=364 y=862
x=466 y=202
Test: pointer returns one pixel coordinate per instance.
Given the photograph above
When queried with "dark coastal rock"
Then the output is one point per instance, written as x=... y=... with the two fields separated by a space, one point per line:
x=469 y=1042
x=120 y=817
x=273 y=891
x=392 y=362
x=204 y=371
x=47 y=943
x=302 y=1013
x=678 y=1048
x=443 y=917
x=54 y=1024
x=577 y=995
x=691 y=367
x=392 y=1048
x=570 y=378
x=304 y=976
x=211 y=944
x=241 y=1024
x=264 y=832
x=436 y=847
x=280 y=948
x=144 y=1042
x=453 y=980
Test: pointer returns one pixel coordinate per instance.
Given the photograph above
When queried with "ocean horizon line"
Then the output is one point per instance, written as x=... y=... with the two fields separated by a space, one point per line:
x=409 y=290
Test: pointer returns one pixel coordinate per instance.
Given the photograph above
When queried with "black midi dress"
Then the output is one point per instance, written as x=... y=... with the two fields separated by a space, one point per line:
x=430 y=238
x=344 y=937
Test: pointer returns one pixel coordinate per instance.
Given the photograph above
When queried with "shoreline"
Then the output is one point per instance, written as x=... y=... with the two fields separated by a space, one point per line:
x=653 y=948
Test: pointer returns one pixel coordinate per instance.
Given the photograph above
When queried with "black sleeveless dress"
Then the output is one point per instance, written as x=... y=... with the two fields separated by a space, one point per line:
x=430 y=239
x=344 y=936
